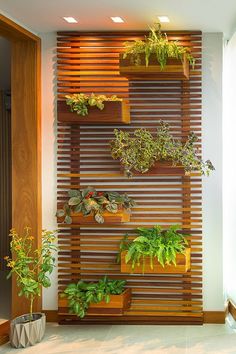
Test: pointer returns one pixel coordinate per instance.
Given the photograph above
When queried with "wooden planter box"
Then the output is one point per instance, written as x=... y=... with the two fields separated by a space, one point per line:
x=161 y=168
x=109 y=218
x=116 y=307
x=174 y=70
x=114 y=112
x=183 y=264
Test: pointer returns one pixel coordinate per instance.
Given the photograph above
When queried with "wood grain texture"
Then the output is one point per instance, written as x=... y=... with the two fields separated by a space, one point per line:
x=114 y=112
x=109 y=218
x=4 y=331
x=89 y=62
x=26 y=137
x=182 y=265
x=116 y=307
x=175 y=69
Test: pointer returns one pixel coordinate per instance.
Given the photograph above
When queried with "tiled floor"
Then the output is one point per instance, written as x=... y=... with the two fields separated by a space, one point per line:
x=207 y=339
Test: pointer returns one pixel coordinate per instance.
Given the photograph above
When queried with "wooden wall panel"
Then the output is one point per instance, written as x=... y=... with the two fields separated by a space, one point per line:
x=89 y=62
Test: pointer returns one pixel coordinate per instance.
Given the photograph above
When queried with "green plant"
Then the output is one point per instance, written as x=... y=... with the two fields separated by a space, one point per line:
x=81 y=102
x=162 y=245
x=82 y=294
x=156 y=43
x=31 y=267
x=140 y=151
x=89 y=201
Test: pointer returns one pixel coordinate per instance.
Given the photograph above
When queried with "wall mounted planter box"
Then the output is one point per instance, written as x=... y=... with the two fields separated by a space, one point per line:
x=183 y=264
x=109 y=218
x=116 y=307
x=114 y=112
x=174 y=70
x=161 y=168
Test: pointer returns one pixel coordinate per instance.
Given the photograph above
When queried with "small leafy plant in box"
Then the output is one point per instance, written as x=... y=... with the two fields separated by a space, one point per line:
x=142 y=150
x=156 y=43
x=81 y=102
x=155 y=243
x=89 y=201
x=82 y=294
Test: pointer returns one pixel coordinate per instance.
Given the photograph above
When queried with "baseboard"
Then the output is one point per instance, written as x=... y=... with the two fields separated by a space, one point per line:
x=232 y=309
x=51 y=315
x=214 y=316
x=208 y=316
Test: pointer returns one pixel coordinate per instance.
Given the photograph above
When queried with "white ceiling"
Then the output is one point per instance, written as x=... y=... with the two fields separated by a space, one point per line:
x=46 y=15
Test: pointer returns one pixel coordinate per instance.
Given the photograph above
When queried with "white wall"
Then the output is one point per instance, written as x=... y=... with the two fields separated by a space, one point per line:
x=212 y=186
x=212 y=146
x=229 y=168
x=49 y=151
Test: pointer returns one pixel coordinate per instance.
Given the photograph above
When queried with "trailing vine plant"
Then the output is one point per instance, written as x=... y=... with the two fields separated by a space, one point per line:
x=82 y=294
x=89 y=201
x=156 y=43
x=155 y=243
x=81 y=102
x=140 y=151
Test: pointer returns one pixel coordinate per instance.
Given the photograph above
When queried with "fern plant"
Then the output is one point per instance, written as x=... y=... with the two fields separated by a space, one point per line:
x=156 y=43
x=82 y=294
x=140 y=151
x=155 y=243
x=81 y=102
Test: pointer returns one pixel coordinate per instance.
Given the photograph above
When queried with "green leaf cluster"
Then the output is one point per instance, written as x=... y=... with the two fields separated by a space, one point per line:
x=31 y=267
x=158 y=244
x=140 y=151
x=81 y=102
x=89 y=201
x=82 y=294
x=156 y=43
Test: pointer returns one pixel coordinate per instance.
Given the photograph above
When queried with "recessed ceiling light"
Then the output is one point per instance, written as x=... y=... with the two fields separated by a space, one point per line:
x=164 y=19
x=70 y=19
x=117 y=19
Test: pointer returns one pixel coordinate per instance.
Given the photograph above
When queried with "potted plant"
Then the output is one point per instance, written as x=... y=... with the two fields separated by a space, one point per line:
x=156 y=56
x=105 y=297
x=90 y=109
x=87 y=205
x=155 y=251
x=31 y=269
x=140 y=152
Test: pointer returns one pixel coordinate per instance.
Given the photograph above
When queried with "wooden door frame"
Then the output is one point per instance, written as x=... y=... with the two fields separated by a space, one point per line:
x=26 y=138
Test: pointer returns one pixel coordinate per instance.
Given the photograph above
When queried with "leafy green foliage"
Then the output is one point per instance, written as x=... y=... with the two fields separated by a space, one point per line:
x=89 y=201
x=31 y=267
x=81 y=102
x=82 y=294
x=140 y=151
x=158 y=44
x=162 y=245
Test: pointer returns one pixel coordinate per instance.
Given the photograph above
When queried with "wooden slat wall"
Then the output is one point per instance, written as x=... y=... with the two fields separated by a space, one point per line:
x=88 y=62
x=5 y=176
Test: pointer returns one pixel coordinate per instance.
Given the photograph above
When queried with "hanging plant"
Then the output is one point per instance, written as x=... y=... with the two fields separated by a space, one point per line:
x=88 y=201
x=140 y=151
x=81 y=102
x=156 y=43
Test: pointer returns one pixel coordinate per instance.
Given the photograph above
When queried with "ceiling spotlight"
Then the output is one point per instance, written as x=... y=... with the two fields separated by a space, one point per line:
x=117 y=19
x=164 y=19
x=70 y=19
